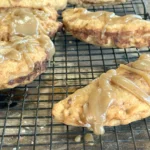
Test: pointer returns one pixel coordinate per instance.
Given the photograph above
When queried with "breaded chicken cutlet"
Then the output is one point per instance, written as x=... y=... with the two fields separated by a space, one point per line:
x=106 y=29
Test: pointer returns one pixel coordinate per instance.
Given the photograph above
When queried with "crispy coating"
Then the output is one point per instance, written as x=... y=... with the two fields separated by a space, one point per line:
x=124 y=109
x=58 y=4
x=107 y=29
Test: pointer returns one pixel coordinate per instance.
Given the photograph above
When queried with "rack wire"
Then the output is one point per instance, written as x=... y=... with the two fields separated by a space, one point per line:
x=26 y=121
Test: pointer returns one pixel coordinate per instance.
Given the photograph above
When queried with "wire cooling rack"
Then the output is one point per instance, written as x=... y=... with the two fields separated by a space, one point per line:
x=26 y=121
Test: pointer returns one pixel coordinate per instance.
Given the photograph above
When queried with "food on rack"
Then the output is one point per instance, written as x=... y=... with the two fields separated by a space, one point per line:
x=106 y=29
x=117 y=97
x=87 y=3
x=22 y=59
x=24 y=44
x=58 y=4
x=28 y=21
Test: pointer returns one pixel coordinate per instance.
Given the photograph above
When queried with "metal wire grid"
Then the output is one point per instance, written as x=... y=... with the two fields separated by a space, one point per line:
x=25 y=118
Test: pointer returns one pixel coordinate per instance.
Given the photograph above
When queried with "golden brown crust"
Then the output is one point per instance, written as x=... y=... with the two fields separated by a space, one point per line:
x=99 y=31
x=33 y=3
x=88 y=3
x=46 y=18
x=125 y=109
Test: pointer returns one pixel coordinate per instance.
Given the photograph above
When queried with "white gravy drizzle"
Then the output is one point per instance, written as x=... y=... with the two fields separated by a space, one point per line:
x=102 y=96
